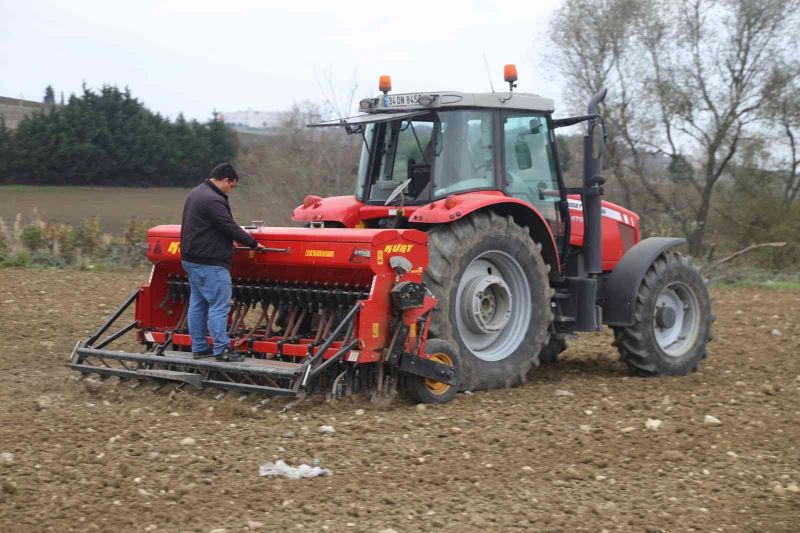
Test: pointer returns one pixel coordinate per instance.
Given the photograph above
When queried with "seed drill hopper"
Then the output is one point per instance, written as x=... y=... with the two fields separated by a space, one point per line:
x=338 y=311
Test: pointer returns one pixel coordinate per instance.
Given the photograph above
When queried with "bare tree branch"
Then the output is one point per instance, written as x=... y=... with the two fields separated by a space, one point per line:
x=750 y=248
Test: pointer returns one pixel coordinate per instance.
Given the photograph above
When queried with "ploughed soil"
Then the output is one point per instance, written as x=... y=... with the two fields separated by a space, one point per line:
x=568 y=451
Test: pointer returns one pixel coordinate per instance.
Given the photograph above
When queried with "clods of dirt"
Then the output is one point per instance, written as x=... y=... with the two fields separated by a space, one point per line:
x=575 y=449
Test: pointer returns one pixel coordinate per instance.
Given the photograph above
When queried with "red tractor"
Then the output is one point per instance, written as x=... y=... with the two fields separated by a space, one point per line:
x=471 y=263
x=518 y=261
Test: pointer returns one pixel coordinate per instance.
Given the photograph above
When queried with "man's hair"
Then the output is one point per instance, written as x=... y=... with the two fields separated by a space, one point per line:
x=224 y=171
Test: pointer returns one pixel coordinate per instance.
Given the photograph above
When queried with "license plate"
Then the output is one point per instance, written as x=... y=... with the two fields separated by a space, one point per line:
x=398 y=100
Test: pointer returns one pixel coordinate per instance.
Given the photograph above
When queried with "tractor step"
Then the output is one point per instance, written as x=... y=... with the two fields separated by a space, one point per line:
x=249 y=365
x=253 y=366
x=192 y=378
x=259 y=376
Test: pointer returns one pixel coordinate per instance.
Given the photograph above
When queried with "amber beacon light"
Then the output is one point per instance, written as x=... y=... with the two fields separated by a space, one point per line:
x=510 y=73
x=385 y=83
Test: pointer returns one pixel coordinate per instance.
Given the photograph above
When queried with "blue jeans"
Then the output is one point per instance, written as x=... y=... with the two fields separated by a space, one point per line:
x=209 y=305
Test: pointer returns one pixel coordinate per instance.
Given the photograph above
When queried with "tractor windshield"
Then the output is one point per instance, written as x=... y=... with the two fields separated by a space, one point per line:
x=442 y=153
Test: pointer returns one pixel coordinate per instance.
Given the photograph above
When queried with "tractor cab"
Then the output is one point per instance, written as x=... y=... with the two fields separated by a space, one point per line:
x=422 y=147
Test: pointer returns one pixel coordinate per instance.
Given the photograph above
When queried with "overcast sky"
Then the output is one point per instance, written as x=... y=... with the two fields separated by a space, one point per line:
x=194 y=56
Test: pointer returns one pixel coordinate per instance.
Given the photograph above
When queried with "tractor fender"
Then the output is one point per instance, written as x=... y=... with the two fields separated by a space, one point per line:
x=620 y=287
x=523 y=213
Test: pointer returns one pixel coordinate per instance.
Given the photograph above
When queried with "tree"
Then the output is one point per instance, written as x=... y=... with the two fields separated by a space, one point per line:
x=593 y=43
x=49 y=96
x=222 y=142
x=783 y=119
x=688 y=79
x=108 y=137
x=565 y=156
x=6 y=151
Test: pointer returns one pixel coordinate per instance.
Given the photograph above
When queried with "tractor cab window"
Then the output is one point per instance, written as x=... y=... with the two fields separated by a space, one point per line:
x=405 y=152
x=364 y=163
x=444 y=153
x=530 y=165
x=463 y=152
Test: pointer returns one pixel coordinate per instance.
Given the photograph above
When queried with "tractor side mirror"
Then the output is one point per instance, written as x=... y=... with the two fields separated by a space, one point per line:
x=523 y=153
x=420 y=176
x=536 y=125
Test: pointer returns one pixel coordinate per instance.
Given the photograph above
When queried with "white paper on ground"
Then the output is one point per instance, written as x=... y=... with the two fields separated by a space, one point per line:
x=280 y=468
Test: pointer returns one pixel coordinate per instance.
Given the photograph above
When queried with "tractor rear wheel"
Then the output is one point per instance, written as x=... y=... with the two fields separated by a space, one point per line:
x=550 y=352
x=494 y=297
x=673 y=320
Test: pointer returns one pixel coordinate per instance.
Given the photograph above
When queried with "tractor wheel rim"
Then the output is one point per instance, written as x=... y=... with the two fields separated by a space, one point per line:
x=437 y=387
x=493 y=307
x=676 y=319
x=487 y=304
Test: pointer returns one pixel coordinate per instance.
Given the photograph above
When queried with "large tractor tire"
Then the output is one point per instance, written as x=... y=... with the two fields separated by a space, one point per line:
x=494 y=297
x=552 y=349
x=672 y=320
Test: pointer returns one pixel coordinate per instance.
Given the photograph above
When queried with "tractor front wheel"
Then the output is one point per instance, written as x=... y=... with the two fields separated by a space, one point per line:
x=673 y=319
x=494 y=297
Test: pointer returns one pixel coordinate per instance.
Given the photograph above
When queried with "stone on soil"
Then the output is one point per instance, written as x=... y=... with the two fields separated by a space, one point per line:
x=653 y=424
x=43 y=402
x=673 y=455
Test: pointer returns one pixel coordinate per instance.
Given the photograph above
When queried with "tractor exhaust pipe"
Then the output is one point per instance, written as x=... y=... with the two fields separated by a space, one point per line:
x=591 y=196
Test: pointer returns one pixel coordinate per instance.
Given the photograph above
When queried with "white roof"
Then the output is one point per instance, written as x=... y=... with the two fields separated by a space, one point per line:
x=385 y=108
x=444 y=99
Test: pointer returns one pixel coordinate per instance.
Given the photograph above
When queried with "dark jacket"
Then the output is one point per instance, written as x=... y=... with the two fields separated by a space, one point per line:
x=208 y=229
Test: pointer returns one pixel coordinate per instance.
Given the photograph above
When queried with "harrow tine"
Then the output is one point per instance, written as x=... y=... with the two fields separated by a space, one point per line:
x=323 y=317
x=249 y=335
x=240 y=321
x=290 y=323
x=294 y=403
x=298 y=323
x=235 y=318
x=275 y=311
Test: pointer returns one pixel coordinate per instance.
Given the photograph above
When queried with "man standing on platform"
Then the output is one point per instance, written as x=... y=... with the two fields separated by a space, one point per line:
x=208 y=232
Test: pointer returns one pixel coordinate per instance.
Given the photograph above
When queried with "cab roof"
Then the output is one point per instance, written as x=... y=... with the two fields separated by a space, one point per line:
x=444 y=99
x=388 y=107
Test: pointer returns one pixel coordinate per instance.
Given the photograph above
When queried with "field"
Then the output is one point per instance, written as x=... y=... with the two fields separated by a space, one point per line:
x=568 y=451
x=115 y=206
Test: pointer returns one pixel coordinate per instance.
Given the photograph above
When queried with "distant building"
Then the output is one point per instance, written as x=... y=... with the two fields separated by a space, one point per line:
x=254 y=121
x=13 y=110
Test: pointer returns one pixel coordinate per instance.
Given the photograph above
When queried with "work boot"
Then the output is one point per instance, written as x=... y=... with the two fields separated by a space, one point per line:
x=229 y=356
x=208 y=352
